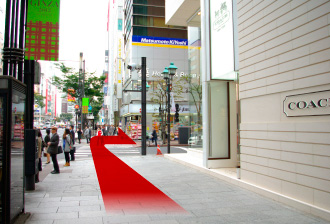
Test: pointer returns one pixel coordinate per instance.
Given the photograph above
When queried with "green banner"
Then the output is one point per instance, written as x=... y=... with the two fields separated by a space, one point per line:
x=42 y=35
x=85 y=102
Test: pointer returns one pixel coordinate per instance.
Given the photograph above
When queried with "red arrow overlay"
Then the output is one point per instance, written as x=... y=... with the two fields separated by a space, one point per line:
x=122 y=188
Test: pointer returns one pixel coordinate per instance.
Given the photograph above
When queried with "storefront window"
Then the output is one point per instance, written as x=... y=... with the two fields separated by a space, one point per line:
x=195 y=84
x=17 y=153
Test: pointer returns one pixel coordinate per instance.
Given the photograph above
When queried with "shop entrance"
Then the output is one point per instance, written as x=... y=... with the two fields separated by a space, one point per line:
x=222 y=150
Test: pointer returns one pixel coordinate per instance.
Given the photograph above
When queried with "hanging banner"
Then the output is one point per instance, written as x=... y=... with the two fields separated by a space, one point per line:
x=42 y=35
x=85 y=104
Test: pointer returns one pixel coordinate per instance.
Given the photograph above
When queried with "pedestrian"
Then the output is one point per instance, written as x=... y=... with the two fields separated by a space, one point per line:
x=114 y=130
x=111 y=129
x=53 y=149
x=86 y=133
x=79 y=135
x=72 y=151
x=67 y=145
x=154 y=136
x=104 y=131
x=47 y=139
x=39 y=147
x=99 y=132
x=89 y=134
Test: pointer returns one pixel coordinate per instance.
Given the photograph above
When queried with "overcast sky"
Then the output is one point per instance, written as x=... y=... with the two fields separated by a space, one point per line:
x=83 y=29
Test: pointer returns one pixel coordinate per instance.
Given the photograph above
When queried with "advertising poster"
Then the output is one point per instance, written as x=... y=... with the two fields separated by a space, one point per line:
x=42 y=34
x=222 y=40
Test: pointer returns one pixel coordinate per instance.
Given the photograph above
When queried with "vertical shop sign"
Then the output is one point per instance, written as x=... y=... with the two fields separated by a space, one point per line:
x=120 y=69
x=85 y=104
x=46 y=105
x=42 y=35
x=222 y=40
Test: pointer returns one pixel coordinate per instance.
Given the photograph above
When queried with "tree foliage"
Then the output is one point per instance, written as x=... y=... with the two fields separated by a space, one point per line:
x=159 y=96
x=195 y=91
x=66 y=116
x=39 y=100
x=93 y=86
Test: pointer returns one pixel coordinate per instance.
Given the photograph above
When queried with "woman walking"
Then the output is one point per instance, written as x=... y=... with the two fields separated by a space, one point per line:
x=53 y=149
x=79 y=135
x=47 y=139
x=67 y=143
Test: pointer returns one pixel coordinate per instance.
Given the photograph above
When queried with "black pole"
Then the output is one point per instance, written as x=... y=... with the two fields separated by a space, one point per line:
x=168 y=117
x=144 y=105
x=22 y=37
x=7 y=37
x=29 y=72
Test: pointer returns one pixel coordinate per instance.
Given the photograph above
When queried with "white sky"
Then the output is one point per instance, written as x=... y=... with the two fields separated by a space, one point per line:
x=83 y=29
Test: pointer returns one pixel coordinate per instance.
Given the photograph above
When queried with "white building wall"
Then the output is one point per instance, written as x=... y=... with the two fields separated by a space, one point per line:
x=284 y=49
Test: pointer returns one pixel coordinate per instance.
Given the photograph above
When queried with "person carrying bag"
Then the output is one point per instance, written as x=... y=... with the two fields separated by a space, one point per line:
x=53 y=149
x=67 y=146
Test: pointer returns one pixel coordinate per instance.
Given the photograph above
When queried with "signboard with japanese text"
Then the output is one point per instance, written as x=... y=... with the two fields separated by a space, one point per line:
x=222 y=40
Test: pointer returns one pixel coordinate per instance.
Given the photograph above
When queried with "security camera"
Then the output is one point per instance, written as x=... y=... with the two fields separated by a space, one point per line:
x=134 y=67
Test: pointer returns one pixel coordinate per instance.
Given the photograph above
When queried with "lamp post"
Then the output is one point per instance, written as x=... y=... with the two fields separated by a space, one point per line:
x=168 y=73
x=143 y=90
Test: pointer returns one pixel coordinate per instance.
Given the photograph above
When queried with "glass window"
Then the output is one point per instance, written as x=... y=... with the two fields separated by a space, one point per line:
x=17 y=153
x=195 y=84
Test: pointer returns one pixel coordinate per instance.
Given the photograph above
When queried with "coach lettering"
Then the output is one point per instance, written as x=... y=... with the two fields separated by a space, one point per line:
x=307 y=104
x=301 y=104
x=321 y=104
x=292 y=107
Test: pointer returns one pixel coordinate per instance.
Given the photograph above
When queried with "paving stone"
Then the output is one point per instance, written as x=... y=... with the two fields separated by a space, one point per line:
x=126 y=219
x=64 y=209
x=40 y=222
x=55 y=216
x=93 y=220
x=76 y=198
x=58 y=204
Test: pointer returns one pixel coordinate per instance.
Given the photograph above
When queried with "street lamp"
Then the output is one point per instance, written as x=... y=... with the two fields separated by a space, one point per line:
x=168 y=73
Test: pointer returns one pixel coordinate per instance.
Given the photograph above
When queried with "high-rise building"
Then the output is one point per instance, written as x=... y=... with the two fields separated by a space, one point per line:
x=140 y=31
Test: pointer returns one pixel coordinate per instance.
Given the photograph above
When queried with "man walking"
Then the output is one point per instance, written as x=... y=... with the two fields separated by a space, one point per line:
x=53 y=149
x=154 y=136
x=86 y=133
x=72 y=151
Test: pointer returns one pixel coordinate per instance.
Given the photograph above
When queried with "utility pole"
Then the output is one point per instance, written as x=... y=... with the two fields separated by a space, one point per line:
x=81 y=87
x=144 y=105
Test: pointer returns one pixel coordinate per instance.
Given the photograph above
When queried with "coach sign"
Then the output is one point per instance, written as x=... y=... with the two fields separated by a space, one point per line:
x=307 y=104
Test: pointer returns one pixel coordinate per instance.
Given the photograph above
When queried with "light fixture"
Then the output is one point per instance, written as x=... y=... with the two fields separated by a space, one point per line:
x=166 y=73
x=172 y=69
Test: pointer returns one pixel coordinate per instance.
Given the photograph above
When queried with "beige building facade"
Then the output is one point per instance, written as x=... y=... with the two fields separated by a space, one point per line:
x=282 y=62
x=284 y=50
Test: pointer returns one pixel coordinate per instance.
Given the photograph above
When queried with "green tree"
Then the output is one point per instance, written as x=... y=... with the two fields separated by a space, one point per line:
x=57 y=119
x=93 y=86
x=195 y=91
x=39 y=100
x=66 y=116
x=159 y=96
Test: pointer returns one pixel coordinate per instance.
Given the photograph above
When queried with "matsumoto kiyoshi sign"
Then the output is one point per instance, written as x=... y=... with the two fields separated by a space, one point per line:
x=160 y=40
x=307 y=104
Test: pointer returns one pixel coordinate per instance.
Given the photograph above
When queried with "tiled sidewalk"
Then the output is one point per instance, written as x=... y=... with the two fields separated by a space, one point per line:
x=74 y=197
